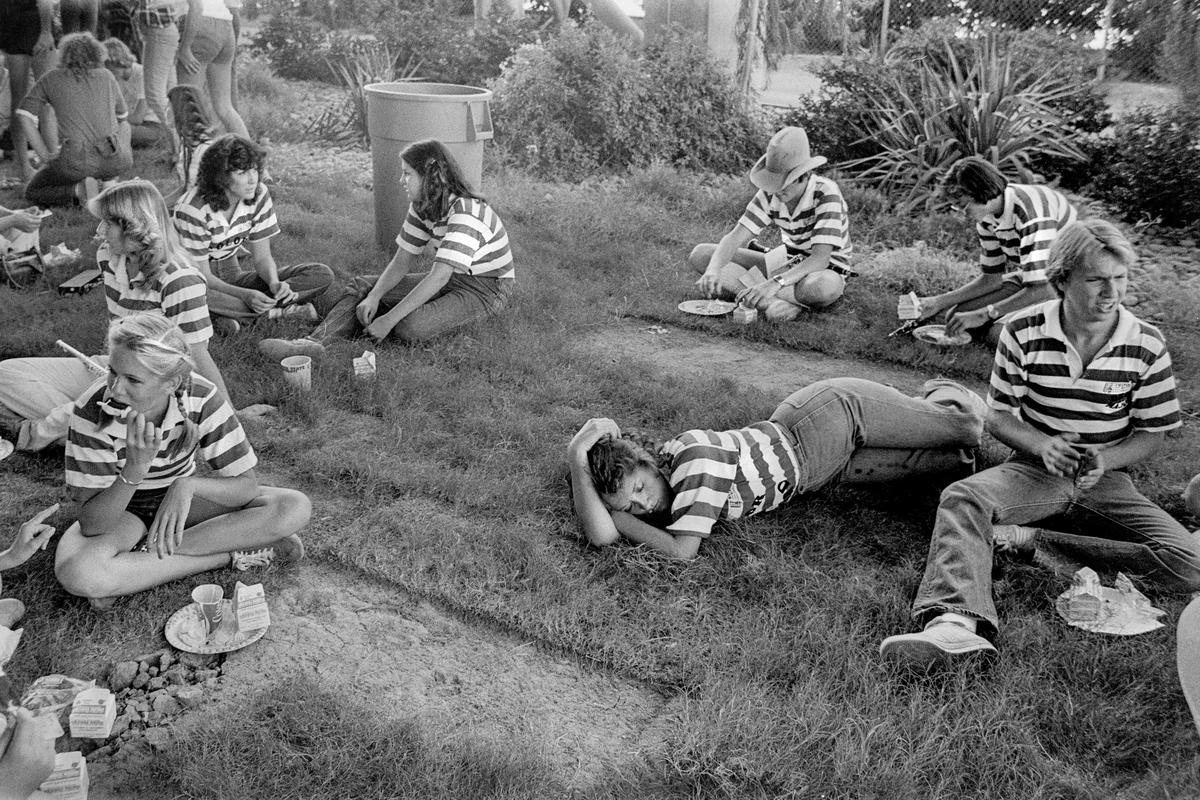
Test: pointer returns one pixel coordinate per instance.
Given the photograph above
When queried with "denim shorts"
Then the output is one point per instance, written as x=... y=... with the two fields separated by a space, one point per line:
x=144 y=504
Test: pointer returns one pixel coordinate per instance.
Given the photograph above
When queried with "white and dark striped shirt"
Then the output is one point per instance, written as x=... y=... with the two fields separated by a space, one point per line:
x=96 y=439
x=1039 y=378
x=729 y=474
x=471 y=239
x=819 y=218
x=1017 y=241
x=217 y=235
x=178 y=293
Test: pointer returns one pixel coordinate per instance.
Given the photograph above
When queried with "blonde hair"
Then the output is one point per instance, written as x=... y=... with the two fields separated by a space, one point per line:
x=80 y=52
x=161 y=347
x=1080 y=243
x=139 y=209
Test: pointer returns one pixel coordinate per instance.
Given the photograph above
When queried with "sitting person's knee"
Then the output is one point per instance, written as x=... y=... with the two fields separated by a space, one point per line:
x=80 y=576
x=821 y=290
x=291 y=508
x=700 y=256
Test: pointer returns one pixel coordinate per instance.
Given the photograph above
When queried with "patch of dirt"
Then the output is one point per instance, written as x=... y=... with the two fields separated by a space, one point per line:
x=459 y=680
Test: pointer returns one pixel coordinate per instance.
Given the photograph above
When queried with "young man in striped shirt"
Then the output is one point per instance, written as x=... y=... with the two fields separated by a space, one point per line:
x=810 y=267
x=1080 y=390
x=1017 y=224
x=230 y=208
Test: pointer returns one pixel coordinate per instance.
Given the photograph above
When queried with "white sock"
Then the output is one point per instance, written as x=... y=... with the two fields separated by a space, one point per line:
x=962 y=620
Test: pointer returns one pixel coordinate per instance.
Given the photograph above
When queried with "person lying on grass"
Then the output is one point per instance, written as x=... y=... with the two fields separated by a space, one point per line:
x=669 y=496
x=1017 y=224
x=230 y=207
x=1081 y=389
x=810 y=267
x=145 y=516
x=471 y=276
x=144 y=269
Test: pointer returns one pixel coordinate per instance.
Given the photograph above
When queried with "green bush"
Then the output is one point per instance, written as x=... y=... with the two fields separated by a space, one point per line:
x=1149 y=168
x=584 y=102
x=299 y=47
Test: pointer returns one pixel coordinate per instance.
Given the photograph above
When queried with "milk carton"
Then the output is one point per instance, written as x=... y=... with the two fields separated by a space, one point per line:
x=93 y=714
x=364 y=366
x=69 y=780
x=250 y=610
x=744 y=315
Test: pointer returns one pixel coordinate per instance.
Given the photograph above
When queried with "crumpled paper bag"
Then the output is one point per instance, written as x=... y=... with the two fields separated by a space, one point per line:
x=1121 y=610
x=60 y=256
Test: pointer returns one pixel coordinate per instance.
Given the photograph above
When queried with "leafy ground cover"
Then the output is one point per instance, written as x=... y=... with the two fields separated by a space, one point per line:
x=444 y=477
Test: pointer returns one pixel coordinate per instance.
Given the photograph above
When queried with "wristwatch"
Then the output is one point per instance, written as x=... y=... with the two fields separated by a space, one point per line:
x=783 y=281
x=993 y=312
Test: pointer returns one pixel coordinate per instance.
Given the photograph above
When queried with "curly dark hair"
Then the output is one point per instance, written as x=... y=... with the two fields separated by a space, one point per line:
x=610 y=460
x=230 y=153
x=442 y=178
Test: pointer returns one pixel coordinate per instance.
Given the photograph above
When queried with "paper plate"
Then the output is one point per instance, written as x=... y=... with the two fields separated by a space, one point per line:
x=185 y=631
x=936 y=334
x=707 y=308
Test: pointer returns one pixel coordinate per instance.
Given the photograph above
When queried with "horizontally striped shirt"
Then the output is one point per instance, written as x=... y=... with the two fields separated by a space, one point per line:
x=217 y=235
x=1039 y=378
x=178 y=293
x=1017 y=242
x=471 y=240
x=729 y=474
x=819 y=218
x=96 y=439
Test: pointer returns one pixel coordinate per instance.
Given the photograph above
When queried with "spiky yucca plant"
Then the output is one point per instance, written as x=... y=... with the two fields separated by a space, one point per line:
x=984 y=107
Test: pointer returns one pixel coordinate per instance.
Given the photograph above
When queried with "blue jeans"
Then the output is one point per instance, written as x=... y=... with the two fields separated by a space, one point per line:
x=1125 y=531
x=858 y=431
x=308 y=281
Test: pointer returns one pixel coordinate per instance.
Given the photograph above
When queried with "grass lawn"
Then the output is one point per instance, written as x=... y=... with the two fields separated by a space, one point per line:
x=445 y=478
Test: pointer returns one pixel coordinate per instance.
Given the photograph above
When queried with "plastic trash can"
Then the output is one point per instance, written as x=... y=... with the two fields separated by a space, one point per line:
x=401 y=113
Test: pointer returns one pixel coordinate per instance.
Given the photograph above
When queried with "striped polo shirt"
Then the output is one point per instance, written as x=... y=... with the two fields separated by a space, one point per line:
x=178 y=293
x=1039 y=378
x=1017 y=241
x=471 y=240
x=96 y=439
x=819 y=218
x=217 y=235
x=729 y=474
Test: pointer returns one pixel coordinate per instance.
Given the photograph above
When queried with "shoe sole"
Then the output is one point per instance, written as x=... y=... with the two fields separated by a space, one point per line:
x=925 y=655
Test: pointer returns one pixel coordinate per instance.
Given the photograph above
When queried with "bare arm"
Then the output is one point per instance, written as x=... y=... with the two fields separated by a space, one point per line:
x=268 y=270
x=1191 y=495
x=421 y=294
x=208 y=368
x=187 y=36
x=33 y=135
x=739 y=237
x=982 y=284
x=1057 y=454
x=594 y=517
x=45 y=40
x=669 y=544
x=257 y=301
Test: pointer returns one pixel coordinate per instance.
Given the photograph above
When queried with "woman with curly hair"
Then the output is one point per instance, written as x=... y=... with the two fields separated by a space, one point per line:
x=669 y=496
x=92 y=125
x=146 y=515
x=230 y=208
x=471 y=276
x=144 y=268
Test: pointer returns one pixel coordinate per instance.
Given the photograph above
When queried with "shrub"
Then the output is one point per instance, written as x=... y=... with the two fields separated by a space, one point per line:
x=299 y=48
x=584 y=102
x=1149 y=168
x=453 y=49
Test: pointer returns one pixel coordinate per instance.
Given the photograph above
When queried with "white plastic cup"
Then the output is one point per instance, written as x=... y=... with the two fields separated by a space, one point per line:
x=209 y=597
x=297 y=371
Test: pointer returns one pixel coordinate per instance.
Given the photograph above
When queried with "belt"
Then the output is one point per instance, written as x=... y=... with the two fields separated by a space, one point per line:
x=160 y=17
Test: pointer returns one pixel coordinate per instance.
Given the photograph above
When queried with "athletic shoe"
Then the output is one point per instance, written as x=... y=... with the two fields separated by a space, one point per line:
x=279 y=349
x=1015 y=539
x=225 y=326
x=937 y=645
x=303 y=311
x=285 y=551
x=102 y=604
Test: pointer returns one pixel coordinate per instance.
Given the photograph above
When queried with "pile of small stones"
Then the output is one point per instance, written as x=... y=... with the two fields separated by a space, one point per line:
x=150 y=692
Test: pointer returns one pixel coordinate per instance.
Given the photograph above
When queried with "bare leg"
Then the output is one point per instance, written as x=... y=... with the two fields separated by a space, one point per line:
x=104 y=566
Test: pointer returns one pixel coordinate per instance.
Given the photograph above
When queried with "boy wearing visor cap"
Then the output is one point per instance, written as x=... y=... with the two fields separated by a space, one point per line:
x=811 y=265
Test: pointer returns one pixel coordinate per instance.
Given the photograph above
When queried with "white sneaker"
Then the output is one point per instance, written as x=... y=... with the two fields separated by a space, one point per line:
x=302 y=311
x=1015 y=539
x=938 y=644
x=285 y=551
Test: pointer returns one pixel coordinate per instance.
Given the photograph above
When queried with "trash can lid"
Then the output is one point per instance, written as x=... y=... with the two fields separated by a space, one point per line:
x=418 y=90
